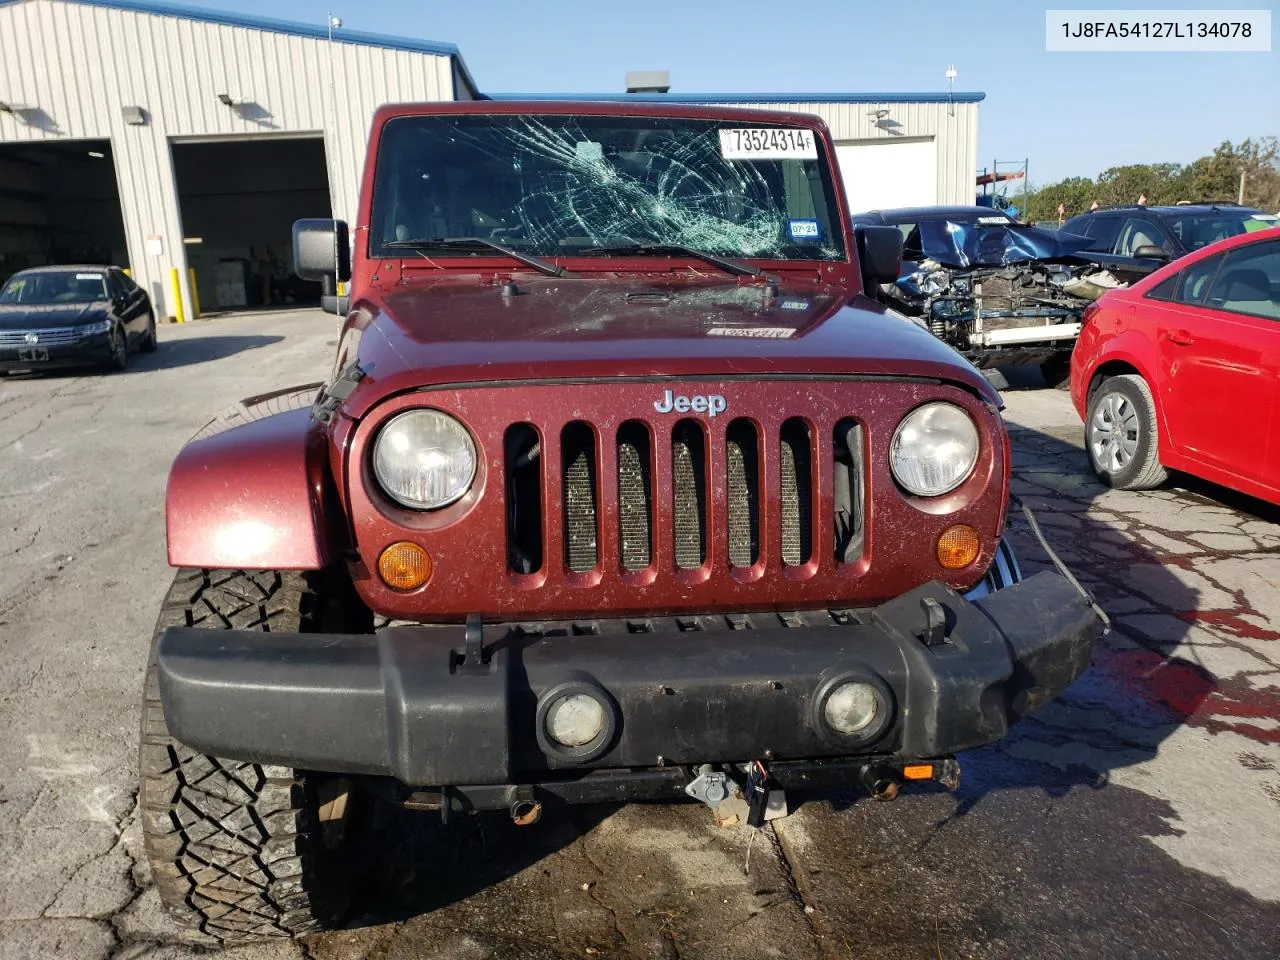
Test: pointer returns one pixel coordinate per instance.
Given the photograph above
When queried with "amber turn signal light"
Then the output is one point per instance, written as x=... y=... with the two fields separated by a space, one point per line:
x=404 y=566
x=958 y=547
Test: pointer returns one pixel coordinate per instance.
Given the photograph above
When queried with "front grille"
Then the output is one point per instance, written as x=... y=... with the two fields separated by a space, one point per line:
x=797 y=492
x=578 y=458
x=686 y=496
x=635 y=500
x=689 y=486
x=45 y=338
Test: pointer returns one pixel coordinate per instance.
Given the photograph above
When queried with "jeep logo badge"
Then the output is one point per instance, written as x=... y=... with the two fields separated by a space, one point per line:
x=710 y=404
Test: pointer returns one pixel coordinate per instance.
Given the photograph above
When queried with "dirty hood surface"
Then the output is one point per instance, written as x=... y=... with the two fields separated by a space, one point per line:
x=451 y=330
x=960 y=245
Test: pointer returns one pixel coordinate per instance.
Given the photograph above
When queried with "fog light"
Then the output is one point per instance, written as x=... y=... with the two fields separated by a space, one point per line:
x=851 y=707
x=575 y=720
x=958 y=547
x=404 y=566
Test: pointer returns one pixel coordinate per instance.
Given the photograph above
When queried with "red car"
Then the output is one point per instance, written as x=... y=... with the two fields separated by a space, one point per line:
x=1181 y=371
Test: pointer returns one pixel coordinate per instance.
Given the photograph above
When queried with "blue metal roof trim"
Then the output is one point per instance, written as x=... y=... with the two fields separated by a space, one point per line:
x=314 y=31
x=969 y=97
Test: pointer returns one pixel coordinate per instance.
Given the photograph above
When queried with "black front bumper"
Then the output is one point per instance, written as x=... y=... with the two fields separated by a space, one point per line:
x=407 y=702
x=85 y=352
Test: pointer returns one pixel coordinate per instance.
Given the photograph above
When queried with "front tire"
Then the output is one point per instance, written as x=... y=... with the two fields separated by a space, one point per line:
x=149 y=339
x=238 y=849
x=1121 y=435
x=119 y=360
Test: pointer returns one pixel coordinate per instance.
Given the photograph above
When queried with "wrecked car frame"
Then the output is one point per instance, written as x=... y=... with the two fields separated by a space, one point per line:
x=1000 y=292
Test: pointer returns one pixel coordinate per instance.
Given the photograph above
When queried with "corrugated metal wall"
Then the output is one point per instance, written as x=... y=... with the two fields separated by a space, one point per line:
x=71 y=67
x=953 y=127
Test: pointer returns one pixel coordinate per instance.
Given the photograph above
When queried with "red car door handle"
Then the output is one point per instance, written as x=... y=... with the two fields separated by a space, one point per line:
x=1180 y=337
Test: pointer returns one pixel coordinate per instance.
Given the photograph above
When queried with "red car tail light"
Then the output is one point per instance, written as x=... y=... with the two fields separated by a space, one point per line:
x=1090 y=312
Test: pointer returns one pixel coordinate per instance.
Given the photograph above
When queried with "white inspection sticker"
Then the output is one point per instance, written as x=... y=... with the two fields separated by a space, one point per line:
x=88 y=276
x=768 y=143
x=767 y=333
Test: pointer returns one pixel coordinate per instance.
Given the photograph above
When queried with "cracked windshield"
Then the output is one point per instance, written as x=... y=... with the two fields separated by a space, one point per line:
x=569 y=185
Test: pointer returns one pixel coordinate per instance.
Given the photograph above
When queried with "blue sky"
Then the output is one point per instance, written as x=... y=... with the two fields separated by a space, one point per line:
x=1068 y=113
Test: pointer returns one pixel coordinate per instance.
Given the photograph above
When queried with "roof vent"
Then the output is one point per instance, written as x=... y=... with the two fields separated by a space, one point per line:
x=648 y=81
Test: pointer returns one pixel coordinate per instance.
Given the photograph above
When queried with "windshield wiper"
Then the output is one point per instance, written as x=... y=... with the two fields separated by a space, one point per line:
x=735 y=267
x=457 y=243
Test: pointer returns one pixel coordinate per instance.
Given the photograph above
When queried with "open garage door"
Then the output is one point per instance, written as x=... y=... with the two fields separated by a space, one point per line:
x=239 y=200
x=883 y=174
x=59 y=203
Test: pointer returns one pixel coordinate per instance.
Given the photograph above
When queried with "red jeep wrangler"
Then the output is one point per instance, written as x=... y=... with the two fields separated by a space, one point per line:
x=619 y=489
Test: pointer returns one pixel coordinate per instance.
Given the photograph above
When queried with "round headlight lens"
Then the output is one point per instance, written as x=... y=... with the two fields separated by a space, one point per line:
x=934 y=449
x=851 y=707
x=424 y=459
x=575 y=720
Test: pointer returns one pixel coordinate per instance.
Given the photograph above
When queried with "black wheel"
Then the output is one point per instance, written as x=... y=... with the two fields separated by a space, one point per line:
x=1057 y=371
x=149 y=341
x=1121 y=435
x=119 y=360
x=242 y=851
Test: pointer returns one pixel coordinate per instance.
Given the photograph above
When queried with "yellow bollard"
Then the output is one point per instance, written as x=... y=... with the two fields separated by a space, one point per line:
x=195 y=294
x=175 y=291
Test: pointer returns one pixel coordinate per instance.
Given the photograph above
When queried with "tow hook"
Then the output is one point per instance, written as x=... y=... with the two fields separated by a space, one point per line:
x=881 y=782
x=884 y=781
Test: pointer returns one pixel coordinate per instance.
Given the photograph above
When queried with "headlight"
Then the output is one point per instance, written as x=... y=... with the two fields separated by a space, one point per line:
x=575 y=720
x=424 y=459
x=851 y=707
x=98 y=326
x=934 y=449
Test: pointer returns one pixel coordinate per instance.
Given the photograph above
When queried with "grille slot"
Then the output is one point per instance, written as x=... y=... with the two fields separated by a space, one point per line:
x=635 y=496
x=59 y=336
x=742 y=482
x=580 y=486
x=689 y=494
x=849 y=477
x=795 y=456
x=522 y=452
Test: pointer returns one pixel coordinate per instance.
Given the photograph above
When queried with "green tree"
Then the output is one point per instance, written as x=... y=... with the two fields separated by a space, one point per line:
x=1215 y=177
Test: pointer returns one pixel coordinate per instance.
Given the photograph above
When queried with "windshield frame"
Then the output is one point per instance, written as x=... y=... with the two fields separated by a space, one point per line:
x=839 y=244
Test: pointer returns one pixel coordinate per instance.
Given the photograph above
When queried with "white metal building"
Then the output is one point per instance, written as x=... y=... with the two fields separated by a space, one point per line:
x=127 y=127
x=183 y=143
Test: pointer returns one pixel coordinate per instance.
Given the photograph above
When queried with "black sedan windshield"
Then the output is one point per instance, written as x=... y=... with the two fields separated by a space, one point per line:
x=552 y=185
x=70 y=286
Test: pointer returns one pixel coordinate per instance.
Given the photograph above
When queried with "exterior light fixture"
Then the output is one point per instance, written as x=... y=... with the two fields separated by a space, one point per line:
x=225 y=100
x=134 y=116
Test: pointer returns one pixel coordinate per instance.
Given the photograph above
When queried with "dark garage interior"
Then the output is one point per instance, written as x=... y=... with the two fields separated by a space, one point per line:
x=239 y=200
x=59 y=203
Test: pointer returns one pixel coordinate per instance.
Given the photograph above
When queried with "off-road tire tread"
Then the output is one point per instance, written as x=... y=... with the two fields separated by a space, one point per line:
x=232 y=845
x=1150 y=473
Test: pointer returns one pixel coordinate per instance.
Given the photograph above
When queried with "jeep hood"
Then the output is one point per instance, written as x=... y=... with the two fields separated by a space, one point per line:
x=451 y=331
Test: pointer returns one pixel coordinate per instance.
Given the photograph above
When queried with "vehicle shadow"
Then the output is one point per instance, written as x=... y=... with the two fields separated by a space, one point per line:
x=419 y=865
x=192 y=350
x=1146 y=679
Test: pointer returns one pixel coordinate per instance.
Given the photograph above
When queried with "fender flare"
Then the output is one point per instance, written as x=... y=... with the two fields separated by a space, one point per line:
x=253 y=491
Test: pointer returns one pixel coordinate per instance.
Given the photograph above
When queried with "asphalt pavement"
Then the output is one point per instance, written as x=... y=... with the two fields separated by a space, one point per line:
x=1137 y=816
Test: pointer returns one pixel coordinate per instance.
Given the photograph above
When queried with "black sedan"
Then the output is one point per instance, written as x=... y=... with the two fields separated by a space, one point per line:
x=73 y=316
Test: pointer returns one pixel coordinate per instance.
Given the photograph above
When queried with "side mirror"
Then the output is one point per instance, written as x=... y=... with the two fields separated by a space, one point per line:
x=330 y=301
x=879 y=254
x=322 y=248
x=1149 y=251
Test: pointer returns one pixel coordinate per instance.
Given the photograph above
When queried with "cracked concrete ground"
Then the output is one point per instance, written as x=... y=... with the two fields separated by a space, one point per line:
x=1134 y=817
